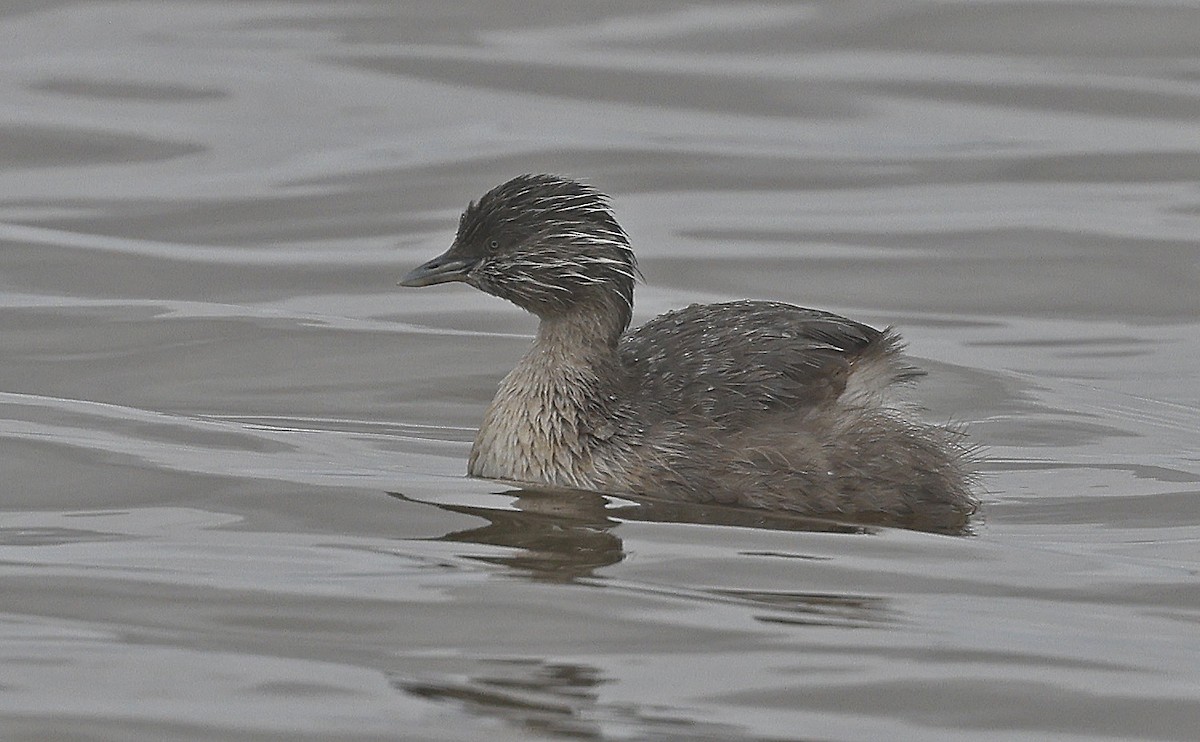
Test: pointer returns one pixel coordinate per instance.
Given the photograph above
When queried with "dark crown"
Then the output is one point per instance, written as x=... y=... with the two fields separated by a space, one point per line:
x=548 y=244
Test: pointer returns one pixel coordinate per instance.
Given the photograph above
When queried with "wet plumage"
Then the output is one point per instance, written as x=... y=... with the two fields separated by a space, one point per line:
x=747 y=403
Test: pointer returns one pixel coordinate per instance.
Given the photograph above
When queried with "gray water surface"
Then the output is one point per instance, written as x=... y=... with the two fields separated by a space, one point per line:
x=232 y=502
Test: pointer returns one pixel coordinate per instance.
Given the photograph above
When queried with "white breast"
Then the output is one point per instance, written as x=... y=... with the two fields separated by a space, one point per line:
x=533 y=430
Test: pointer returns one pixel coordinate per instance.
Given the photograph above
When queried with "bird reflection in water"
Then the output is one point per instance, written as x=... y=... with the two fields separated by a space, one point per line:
x=560 y=535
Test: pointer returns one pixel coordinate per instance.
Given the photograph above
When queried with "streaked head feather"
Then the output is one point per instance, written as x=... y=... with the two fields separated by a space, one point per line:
x=547 y=244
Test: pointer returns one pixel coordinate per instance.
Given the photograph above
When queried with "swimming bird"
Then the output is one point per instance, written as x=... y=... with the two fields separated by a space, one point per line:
x=745 y=403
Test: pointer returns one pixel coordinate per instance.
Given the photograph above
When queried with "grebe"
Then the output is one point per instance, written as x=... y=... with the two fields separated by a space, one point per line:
x=747 y=403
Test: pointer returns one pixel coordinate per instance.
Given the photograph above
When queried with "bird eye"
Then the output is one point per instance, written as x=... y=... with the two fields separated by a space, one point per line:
x=493 y=245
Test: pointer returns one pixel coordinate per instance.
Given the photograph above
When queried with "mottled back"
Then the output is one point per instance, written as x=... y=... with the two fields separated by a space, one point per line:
x=735 y=361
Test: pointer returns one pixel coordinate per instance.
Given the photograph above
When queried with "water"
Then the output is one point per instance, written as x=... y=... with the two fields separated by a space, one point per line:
x=232 y=451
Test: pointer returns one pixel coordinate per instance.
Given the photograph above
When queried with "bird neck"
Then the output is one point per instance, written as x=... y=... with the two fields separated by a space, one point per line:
x=589 y=329
x=574 y=357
